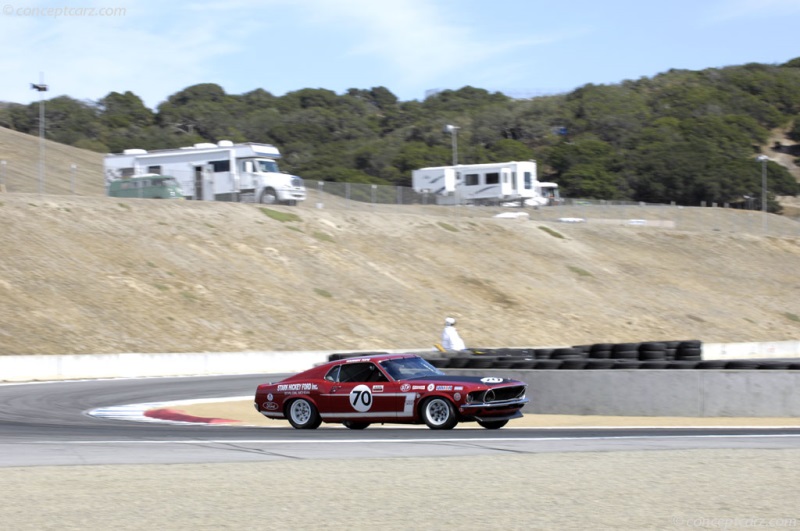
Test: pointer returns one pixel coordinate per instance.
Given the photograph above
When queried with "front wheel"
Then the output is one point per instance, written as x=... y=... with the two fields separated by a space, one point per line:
x=268 y=196
x=303 y=415
x=355 y=425
x=492 y=424
x=438 y=414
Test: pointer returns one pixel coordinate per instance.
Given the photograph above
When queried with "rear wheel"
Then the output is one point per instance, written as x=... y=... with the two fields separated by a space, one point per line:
x=438 y=414
x=492 y=424
x=355 y=425
x=303 y=415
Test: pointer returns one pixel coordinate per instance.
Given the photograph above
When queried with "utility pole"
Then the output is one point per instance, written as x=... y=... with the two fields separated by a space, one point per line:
x=41 y=87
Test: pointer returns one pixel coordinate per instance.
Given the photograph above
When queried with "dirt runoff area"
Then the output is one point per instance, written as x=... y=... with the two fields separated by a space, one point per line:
x=687 y=489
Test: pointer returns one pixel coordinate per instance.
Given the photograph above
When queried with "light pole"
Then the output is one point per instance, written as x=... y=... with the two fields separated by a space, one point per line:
x=763 y=160
x=453 y=130
x=41 y=87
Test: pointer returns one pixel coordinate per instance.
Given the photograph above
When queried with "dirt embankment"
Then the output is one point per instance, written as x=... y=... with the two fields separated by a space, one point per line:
x=104 y=275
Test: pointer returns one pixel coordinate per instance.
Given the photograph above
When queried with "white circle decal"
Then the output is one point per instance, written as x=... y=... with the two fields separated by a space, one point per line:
x=491 y=379
x=430 y=387
x=361 y=398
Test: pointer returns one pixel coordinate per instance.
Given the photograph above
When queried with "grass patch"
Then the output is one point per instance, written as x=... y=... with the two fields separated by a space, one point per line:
x=695 y=318
x=123 y=205
x=162 y=287
x=323 y=237
x=579 y=271
x=189 y=296
x=151 y=264
x=551 y=232
x=283 y=217
x=791 y=316
x=323 y=293
x=447 y=226
x=292 y=227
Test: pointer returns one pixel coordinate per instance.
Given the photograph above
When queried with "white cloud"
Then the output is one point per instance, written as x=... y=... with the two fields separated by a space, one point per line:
x=727 y=10
x=416 y=39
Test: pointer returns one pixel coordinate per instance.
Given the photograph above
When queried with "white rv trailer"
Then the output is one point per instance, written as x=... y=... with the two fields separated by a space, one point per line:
x=214 y=172
x=485 y=184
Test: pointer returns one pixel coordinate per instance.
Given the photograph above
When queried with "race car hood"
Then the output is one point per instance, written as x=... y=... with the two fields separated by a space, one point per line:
x=478 y=380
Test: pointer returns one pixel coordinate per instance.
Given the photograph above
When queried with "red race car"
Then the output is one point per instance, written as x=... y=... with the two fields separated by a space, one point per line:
x=389 y=388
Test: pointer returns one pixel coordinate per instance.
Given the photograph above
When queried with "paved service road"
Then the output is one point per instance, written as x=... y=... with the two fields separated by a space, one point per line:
x=47 y=424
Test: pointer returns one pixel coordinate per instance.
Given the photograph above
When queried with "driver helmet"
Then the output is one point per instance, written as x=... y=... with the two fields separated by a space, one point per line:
x=449 y=321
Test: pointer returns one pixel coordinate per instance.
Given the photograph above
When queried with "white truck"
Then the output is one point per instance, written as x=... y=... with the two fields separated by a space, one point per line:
x=500 y=183
x=224 y=171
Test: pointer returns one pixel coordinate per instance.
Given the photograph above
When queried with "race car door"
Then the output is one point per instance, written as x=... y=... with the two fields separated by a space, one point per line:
x=361 y=391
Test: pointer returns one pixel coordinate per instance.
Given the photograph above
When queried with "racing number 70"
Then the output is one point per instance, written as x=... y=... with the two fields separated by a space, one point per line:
x=363 y=397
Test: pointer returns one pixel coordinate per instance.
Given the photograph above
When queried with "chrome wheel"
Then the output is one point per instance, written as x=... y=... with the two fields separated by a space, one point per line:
x=303 y=415
x=438 y=414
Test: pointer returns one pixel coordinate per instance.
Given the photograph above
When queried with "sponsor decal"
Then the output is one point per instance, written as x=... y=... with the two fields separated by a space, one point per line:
x=297 y=387
x=361 y=398
x=405 y=388
x=491 y=379
x=458 y=388
x=270 y=406
x=270 y=397
x=418 y=387
x=444 y=387
x=377 y=388
x=430 y=387
x=457 y=396
x=356 y=360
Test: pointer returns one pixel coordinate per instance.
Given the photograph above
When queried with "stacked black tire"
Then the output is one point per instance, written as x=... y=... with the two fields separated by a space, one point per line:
x=683 y=354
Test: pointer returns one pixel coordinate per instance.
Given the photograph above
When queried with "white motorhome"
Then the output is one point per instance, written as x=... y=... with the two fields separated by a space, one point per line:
x=214 y=172
x=485 y=184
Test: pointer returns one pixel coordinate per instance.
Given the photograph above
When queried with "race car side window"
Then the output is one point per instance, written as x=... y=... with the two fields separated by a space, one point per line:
x=333 y=374
x=361 y=372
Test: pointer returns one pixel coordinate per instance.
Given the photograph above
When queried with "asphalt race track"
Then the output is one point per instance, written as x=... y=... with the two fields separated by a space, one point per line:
x=47 y=424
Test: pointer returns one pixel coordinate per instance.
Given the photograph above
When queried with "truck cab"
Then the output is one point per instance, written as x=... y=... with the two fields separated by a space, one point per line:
x=263 y=179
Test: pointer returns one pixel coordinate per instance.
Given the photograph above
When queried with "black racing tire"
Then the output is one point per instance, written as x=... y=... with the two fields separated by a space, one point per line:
x=439 y=413
x=302 y=414
x=268 y=197
x=350 y=424
x=492 y=424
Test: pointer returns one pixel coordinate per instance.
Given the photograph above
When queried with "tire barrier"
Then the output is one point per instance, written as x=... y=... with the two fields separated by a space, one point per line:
x=648 y=355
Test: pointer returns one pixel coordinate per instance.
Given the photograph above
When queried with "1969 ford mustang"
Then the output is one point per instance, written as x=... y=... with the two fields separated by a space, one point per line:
x=389 y=388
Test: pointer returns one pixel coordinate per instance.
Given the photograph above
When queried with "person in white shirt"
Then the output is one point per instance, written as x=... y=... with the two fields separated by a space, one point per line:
x=450 y=338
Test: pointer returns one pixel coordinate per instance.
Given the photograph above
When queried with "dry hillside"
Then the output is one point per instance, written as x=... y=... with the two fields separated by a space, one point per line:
x=101 y=275
x=91 y=274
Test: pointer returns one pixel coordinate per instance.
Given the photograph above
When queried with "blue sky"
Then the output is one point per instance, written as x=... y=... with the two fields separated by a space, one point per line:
x=520 y=47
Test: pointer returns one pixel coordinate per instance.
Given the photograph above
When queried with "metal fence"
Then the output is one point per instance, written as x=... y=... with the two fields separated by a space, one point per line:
x=86 y=180
x=706 y=217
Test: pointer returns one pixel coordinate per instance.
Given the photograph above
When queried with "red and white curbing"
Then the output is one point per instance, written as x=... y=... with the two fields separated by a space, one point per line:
x=164 y=412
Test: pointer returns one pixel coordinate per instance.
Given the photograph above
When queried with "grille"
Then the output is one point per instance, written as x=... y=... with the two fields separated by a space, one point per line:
x=507 y=393
x=498 y=394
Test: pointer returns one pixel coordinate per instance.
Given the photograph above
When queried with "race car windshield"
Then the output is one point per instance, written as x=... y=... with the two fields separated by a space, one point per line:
x=405 y=368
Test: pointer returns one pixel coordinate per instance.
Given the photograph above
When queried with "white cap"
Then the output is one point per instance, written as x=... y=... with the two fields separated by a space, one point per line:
x=449 y=321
